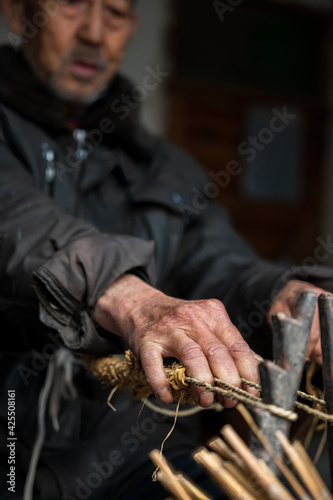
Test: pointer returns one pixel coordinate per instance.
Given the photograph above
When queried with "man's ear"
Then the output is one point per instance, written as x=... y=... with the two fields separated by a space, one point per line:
x=13 y=11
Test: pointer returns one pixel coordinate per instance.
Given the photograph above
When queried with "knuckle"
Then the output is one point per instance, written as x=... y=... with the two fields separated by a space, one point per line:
x=184 y=310
x=150 y=354
x=188 y=316
x=216 y=305
x=191 y=351
x=240 y=349
x=215 y=348
x=201 y=312
x=147 y=350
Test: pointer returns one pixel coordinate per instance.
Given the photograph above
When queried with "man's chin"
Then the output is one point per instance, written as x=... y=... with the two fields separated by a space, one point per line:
x=77 y=96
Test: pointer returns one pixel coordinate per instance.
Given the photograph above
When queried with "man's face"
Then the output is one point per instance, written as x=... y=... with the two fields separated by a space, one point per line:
x=78 y=50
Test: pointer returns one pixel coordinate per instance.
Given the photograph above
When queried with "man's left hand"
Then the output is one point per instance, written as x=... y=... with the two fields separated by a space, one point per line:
x=285 y=301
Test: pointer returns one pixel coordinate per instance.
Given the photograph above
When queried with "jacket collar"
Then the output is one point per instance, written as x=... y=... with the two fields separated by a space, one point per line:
x=21 y=91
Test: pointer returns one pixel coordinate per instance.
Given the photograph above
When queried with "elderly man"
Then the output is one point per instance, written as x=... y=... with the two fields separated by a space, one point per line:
x=94 y=249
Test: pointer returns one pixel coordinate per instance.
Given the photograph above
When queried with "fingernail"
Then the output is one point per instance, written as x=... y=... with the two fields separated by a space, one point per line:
x=257 y=357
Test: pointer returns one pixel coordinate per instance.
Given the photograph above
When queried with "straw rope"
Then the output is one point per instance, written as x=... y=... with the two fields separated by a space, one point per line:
x=249 y=399
x=126 y=373
x=307 y=409
x=301 y=394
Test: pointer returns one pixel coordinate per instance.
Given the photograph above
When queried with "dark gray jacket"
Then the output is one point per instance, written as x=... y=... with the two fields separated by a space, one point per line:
x=77 y=210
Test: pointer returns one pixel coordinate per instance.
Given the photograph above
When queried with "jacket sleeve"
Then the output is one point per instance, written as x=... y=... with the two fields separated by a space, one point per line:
x=68 y=262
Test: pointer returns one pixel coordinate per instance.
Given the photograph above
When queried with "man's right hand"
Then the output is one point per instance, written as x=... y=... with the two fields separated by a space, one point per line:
x=198 y=333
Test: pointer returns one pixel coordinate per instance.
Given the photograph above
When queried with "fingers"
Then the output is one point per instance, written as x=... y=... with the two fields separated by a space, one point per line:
x=314 y=347
x=207 y=348
x=285 y=302
x=236 y=360
x=218 y=351
x=201 y=335
x=247 y=364
x=193 y=358
x=152 y=364
x=222 y=366
x=278 y=306
x=239 y=362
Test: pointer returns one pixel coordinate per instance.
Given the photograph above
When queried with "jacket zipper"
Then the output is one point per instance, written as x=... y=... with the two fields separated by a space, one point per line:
x=81 y=151
x=81 y=154
x=50 y=170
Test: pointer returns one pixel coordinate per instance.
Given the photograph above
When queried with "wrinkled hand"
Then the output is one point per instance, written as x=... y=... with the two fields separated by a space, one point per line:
x=198 y=333
x=285 y=302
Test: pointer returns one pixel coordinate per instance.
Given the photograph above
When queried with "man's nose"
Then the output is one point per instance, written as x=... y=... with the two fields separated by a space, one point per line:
x=92 y=25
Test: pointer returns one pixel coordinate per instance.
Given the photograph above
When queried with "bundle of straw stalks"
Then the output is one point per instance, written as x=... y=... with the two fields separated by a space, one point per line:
x=240 y=475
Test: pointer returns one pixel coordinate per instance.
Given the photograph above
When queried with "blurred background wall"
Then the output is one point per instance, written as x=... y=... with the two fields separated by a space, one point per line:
x=246 y=87
x=3 y=30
